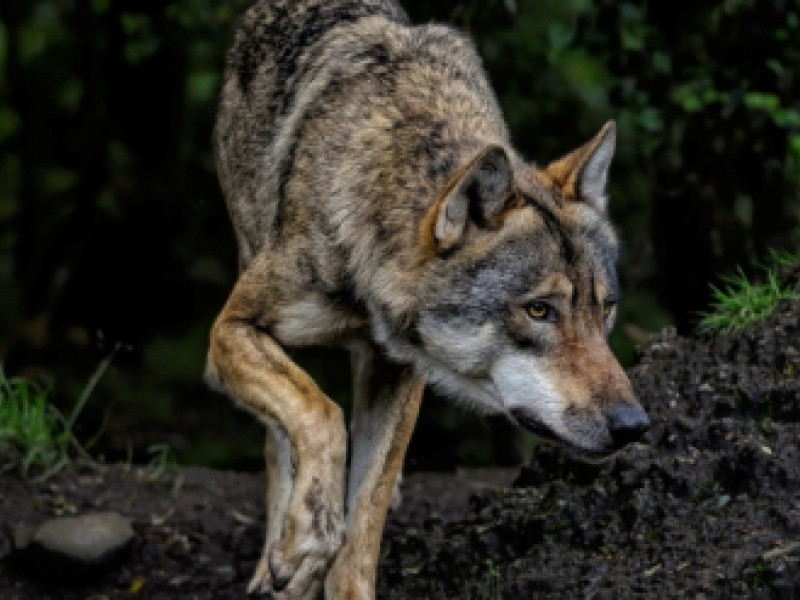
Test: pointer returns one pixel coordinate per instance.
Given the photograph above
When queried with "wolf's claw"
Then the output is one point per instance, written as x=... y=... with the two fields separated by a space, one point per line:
x=294 y=567
x=261 y=581
x=298 y=575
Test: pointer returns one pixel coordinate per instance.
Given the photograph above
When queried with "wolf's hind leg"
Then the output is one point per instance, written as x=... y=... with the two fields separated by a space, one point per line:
x=386 y=400
x=248 y=364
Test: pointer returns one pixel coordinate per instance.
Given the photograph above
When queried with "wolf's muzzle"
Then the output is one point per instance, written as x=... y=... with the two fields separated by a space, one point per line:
x=626 y=424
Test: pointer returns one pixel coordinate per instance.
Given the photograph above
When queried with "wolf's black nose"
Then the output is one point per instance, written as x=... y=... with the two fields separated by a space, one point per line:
x=626 y=424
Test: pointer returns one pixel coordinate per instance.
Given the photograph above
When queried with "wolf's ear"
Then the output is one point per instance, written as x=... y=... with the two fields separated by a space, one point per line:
x=477 y=194
x=582 y=174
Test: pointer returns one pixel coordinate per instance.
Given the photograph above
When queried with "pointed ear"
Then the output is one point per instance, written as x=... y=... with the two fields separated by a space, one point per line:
x=582 y=174
x=476 y=194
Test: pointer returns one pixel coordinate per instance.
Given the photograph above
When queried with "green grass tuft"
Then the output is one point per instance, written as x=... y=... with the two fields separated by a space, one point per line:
x=741 y=303
x=34 y=436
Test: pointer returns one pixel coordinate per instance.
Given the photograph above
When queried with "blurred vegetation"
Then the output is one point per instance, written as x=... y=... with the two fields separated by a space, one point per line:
x=711 y=94
x=113 y=232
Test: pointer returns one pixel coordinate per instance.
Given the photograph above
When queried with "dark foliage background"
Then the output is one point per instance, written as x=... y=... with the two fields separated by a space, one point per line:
x=113 y=233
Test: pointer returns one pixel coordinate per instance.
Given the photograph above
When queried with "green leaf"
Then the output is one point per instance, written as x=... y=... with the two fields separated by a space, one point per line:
x=762 y=101
x=794 y=144
x=650 y=119
x=202 y=86
x=685 y=97
x=787 y=118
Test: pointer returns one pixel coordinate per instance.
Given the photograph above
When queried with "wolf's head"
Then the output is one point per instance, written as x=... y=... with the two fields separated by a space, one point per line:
x=522 y=292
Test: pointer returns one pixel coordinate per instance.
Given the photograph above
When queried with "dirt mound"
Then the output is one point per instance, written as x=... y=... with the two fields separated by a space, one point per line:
x=705 y=507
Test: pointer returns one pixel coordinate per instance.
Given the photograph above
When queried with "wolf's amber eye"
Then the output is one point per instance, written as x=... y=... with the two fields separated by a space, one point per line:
x=540 y=311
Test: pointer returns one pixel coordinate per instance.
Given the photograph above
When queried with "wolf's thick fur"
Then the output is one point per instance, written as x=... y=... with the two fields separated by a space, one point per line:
x=378 y=204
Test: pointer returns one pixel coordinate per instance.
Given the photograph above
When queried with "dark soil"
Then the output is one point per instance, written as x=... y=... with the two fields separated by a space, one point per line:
x=707 y=506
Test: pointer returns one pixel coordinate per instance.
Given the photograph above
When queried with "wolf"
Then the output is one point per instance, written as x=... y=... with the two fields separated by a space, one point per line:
x=379 y=205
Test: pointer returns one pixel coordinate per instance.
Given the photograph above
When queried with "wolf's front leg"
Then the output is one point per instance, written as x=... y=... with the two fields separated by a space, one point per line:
x=249 y=365
x=278 y=462
x=386 y=401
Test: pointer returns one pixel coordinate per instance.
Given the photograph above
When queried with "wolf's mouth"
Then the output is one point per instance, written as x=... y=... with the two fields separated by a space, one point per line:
x=536 y=426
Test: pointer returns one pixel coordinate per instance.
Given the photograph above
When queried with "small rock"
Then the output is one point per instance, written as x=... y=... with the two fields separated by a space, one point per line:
x=74 y=546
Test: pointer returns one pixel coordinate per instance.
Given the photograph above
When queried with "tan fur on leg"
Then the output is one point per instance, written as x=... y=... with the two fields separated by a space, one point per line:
x=384 y=420
x=252 y=368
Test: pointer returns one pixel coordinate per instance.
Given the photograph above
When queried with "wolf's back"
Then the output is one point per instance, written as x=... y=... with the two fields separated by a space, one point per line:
x=338 y=109
x=274 y=35
x=274 y=48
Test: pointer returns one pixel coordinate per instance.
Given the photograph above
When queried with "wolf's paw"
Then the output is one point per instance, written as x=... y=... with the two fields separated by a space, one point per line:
x=304 y=584
x=261 y=581
x=347 y=577
x=299 y=573
x=294 y=567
